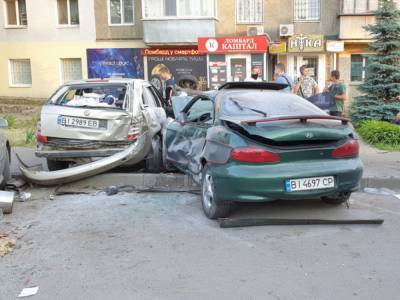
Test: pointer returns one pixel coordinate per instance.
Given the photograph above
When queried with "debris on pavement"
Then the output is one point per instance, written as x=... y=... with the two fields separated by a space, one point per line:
x=27 y=292
x=6 y=245
x=7 y=201
x=23 y=197
x=234 y=223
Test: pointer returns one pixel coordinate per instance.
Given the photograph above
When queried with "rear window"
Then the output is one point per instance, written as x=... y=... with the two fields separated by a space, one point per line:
x=266 y=104
x=102 y=96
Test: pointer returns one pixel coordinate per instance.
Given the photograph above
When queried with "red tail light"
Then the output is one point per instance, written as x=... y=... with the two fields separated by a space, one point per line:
x=134 y=132
x=254 y=155
x=39 y=137
x=350 y=149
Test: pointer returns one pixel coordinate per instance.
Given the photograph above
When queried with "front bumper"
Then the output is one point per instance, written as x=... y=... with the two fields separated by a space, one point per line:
x=259 y=183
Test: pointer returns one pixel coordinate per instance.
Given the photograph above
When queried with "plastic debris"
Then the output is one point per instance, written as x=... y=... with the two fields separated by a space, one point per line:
x=23 y=197
x=27 y=292
x=6 y=245
x=6 y=201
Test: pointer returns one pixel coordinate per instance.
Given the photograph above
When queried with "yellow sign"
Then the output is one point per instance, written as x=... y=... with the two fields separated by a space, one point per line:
x=306 y=43
x=276 y=48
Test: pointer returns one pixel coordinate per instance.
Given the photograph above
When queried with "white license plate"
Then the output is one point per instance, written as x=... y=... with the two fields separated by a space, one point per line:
x=78 y=122
x=308 y=184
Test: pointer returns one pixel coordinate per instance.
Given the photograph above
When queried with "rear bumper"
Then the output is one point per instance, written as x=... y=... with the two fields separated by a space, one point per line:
x=259 y=183
x=73 y=154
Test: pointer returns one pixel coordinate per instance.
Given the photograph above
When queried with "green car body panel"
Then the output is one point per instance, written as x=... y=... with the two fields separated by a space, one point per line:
x=305 y=150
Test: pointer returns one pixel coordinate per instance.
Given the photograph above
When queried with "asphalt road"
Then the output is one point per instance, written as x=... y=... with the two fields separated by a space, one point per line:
x=160 y=246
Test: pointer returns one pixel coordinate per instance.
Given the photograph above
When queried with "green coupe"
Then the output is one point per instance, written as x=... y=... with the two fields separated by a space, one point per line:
x=251 y=142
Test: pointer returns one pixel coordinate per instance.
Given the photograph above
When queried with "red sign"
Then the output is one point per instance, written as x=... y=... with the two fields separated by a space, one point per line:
x=236 y=44
x=170 y=52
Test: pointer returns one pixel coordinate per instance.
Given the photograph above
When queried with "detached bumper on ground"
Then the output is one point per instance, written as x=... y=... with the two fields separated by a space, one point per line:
x=87 y=170
x=259 y=183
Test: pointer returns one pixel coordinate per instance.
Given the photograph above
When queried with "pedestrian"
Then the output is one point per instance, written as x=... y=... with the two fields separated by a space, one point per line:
x=305 y=85
x=169 y=83
x=338 y=90
x=283 y=78
x=255 y=75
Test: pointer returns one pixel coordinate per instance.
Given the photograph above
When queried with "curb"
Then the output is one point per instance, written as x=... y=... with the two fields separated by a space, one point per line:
x=173 y=180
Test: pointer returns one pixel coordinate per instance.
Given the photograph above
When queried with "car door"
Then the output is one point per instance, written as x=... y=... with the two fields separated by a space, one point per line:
x=186 y=146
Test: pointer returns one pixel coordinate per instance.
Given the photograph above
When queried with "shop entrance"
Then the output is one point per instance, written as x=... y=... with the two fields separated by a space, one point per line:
x=239 y=67
x=316 y=66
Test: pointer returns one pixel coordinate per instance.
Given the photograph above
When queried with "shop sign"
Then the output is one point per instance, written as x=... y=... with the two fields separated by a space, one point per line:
x=238 y=44
x=170 y=52
x=276 y=48
x=306 y=43
x=115 y=62
x=335 y=46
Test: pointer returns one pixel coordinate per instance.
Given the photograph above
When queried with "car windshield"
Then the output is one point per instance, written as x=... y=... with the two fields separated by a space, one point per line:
x=270 y=104
x=100 y=96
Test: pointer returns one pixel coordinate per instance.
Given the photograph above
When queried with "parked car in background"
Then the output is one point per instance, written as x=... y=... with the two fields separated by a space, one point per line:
x=5 y=156
x=249 y=142
x=87 y=120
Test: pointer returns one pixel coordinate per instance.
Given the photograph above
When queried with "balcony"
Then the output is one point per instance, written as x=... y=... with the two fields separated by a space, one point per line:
x=177 y=21
x=177 y=31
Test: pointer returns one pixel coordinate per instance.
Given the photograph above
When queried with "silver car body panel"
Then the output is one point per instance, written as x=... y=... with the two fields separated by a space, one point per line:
x=87 y=170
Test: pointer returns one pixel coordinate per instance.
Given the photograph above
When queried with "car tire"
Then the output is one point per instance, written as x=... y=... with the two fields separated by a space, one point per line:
x=212 y=208
x=342 y=198
x=57 y=165
x=167 y=166
x=6 y=171
x=154 y=163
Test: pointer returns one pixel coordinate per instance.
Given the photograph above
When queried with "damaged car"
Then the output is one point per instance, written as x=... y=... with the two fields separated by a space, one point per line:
x=250 y=142
x=84 y=122
x=5 y=156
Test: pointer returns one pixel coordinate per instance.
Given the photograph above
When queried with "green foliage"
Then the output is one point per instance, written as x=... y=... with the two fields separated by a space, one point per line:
x=29 y=136
x=12 y=121
x=381 y=89
x=380 y=133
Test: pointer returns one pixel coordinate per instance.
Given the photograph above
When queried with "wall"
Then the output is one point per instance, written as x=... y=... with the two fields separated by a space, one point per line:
x=126 y=32
x=45 y=63
x=42 y=24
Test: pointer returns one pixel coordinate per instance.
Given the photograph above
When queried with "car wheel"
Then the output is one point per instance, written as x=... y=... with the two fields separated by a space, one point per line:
x=6 y=171
x=342 y=198
x=57 y=165
x=212 y=208
x=154 y=162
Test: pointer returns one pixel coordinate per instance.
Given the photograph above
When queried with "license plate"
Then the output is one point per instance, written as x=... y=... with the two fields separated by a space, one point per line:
x=78 y=122
x=308 y=184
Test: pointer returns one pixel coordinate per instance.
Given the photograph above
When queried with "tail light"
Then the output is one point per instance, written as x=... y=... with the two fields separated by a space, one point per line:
x=134 y=132
x=350 y=149
x=254 y=155
x=39 y=137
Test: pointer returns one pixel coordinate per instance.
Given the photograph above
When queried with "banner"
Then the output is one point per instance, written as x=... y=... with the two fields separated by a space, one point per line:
x=115 y=62
x=170 y=52
x=306 y=43
x=238 y=44
x=181 y=68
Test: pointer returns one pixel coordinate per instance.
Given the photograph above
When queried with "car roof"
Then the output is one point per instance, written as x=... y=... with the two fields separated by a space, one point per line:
x=106 y=81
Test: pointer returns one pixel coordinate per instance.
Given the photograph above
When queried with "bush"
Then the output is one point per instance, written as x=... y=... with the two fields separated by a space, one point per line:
x=12 y=121
x=380 y=133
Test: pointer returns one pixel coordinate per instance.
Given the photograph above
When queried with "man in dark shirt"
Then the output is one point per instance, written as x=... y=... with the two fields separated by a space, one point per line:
x=338 y=90
x=169 y=82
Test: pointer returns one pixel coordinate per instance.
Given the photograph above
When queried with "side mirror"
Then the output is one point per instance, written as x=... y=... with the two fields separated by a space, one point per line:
x=3 y=123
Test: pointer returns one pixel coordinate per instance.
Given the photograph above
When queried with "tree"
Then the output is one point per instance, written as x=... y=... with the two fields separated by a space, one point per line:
x=380 y=98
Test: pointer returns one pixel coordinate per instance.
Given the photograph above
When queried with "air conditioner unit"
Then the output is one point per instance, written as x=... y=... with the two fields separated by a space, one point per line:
x=286 y=30
x=255 y=30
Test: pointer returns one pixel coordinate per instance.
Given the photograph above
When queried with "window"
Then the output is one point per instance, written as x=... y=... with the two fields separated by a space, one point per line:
x=202 y=111
x=71 y=69
x=249 y=11
x=359 y=65
x=178 y=8
x=307 y=10
x=121 y=12
x=15 y=11
x=359 y=6
x=20 y=72
x=68 y=12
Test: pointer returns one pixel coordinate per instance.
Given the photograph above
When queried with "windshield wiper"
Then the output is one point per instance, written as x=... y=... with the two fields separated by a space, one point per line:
x=243 y=107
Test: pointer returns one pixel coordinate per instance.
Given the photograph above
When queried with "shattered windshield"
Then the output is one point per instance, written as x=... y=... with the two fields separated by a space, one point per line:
x=103 y=96
x=266 y=104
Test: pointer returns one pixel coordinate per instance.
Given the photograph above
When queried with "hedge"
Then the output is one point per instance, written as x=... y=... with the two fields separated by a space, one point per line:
x=379 y=133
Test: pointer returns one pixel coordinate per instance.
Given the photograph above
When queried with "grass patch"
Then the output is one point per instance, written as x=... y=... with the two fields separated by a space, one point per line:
x=380 y=134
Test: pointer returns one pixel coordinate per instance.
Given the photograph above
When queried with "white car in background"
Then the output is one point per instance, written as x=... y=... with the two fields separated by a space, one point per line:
x=5 y=156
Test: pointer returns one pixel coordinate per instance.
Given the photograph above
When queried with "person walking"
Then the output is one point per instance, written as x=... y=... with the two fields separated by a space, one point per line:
x=283 y=78
x=338 y=90
x=305 y=85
